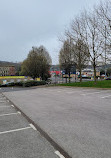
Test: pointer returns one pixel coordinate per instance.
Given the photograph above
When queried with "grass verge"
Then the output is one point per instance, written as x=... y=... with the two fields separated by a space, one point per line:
x=99 y=84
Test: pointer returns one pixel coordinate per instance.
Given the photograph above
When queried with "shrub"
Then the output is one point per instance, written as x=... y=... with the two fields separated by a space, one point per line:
x=24 y=83
x=19 y=83
x=8 y=84
x=30 y=83
x=11 y=84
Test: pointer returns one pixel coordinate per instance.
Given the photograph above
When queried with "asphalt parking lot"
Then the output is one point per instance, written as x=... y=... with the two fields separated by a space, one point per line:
x=78 y=119
x=18 y=137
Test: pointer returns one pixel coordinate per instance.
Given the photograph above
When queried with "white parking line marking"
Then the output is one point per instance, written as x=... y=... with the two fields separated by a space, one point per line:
x=12 y=106
x=70 y=92
x=59 y=154
x=91 y=93
x=9 y=114
x=32 y=126
x=15 y=130
x=106 y=96
x=2 y=101
x=96 y=92
x=19 y=112
x=4 y=106
x=59 y=91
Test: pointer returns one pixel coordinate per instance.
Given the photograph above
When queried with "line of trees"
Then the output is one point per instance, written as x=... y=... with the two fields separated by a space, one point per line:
x=88 y=39
x=73 y=54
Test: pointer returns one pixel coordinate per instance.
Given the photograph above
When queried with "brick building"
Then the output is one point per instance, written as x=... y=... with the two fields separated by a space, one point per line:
x=7 y=71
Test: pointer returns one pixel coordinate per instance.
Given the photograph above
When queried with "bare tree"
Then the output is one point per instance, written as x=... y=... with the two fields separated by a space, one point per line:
x=66 y=57
x=103 y=13
x=74 y=54
x=85 y=27
x=81 y=56
x=94 y=40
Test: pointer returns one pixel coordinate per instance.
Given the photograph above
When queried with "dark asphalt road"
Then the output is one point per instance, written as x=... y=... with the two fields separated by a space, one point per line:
x=78 y=119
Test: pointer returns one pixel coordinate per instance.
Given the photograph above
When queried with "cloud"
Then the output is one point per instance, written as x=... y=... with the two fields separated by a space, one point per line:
x=24 y=23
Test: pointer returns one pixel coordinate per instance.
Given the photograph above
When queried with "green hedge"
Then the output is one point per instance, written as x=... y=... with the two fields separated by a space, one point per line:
x=30 y=83
x=25 y=83
x=8 y=84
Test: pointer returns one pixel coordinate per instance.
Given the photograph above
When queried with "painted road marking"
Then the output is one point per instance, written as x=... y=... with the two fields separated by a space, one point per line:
x=4 y=106
x=32 y=126
x=59 y=154
x=91 y=93
x=73 y=91
x=67 y=91
x=59 y=91
x=70 y=92
x=96 y=92
x=12 y=106
x=10 y=114
x=106 y=96
x=2 y=101
x=2 y=97
x=19 y=112
x=15 y=130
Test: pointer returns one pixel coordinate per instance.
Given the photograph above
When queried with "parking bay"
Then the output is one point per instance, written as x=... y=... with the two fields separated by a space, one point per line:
x=78 y=119
x=18 y=138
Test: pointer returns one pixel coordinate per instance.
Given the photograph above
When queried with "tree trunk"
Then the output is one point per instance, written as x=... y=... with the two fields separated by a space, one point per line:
x=80 y=76
x=69 y=77
x=94 y=66
x=66 y=79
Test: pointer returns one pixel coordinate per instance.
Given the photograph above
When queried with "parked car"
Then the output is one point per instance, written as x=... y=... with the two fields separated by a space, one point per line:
x=108 y=78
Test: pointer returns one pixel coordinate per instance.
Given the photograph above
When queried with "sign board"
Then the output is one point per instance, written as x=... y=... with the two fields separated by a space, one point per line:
x=2 y=77
x=38 y=79
x=4 y=81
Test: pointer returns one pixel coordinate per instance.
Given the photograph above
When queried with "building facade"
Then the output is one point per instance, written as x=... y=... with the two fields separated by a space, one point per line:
x=90 y=72
x=7 y=71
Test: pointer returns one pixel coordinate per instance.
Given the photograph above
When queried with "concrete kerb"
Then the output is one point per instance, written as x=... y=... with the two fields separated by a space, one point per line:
x=42 y=132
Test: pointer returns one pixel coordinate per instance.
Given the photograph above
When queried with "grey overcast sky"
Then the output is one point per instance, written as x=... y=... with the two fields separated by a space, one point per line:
x=27 y=23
